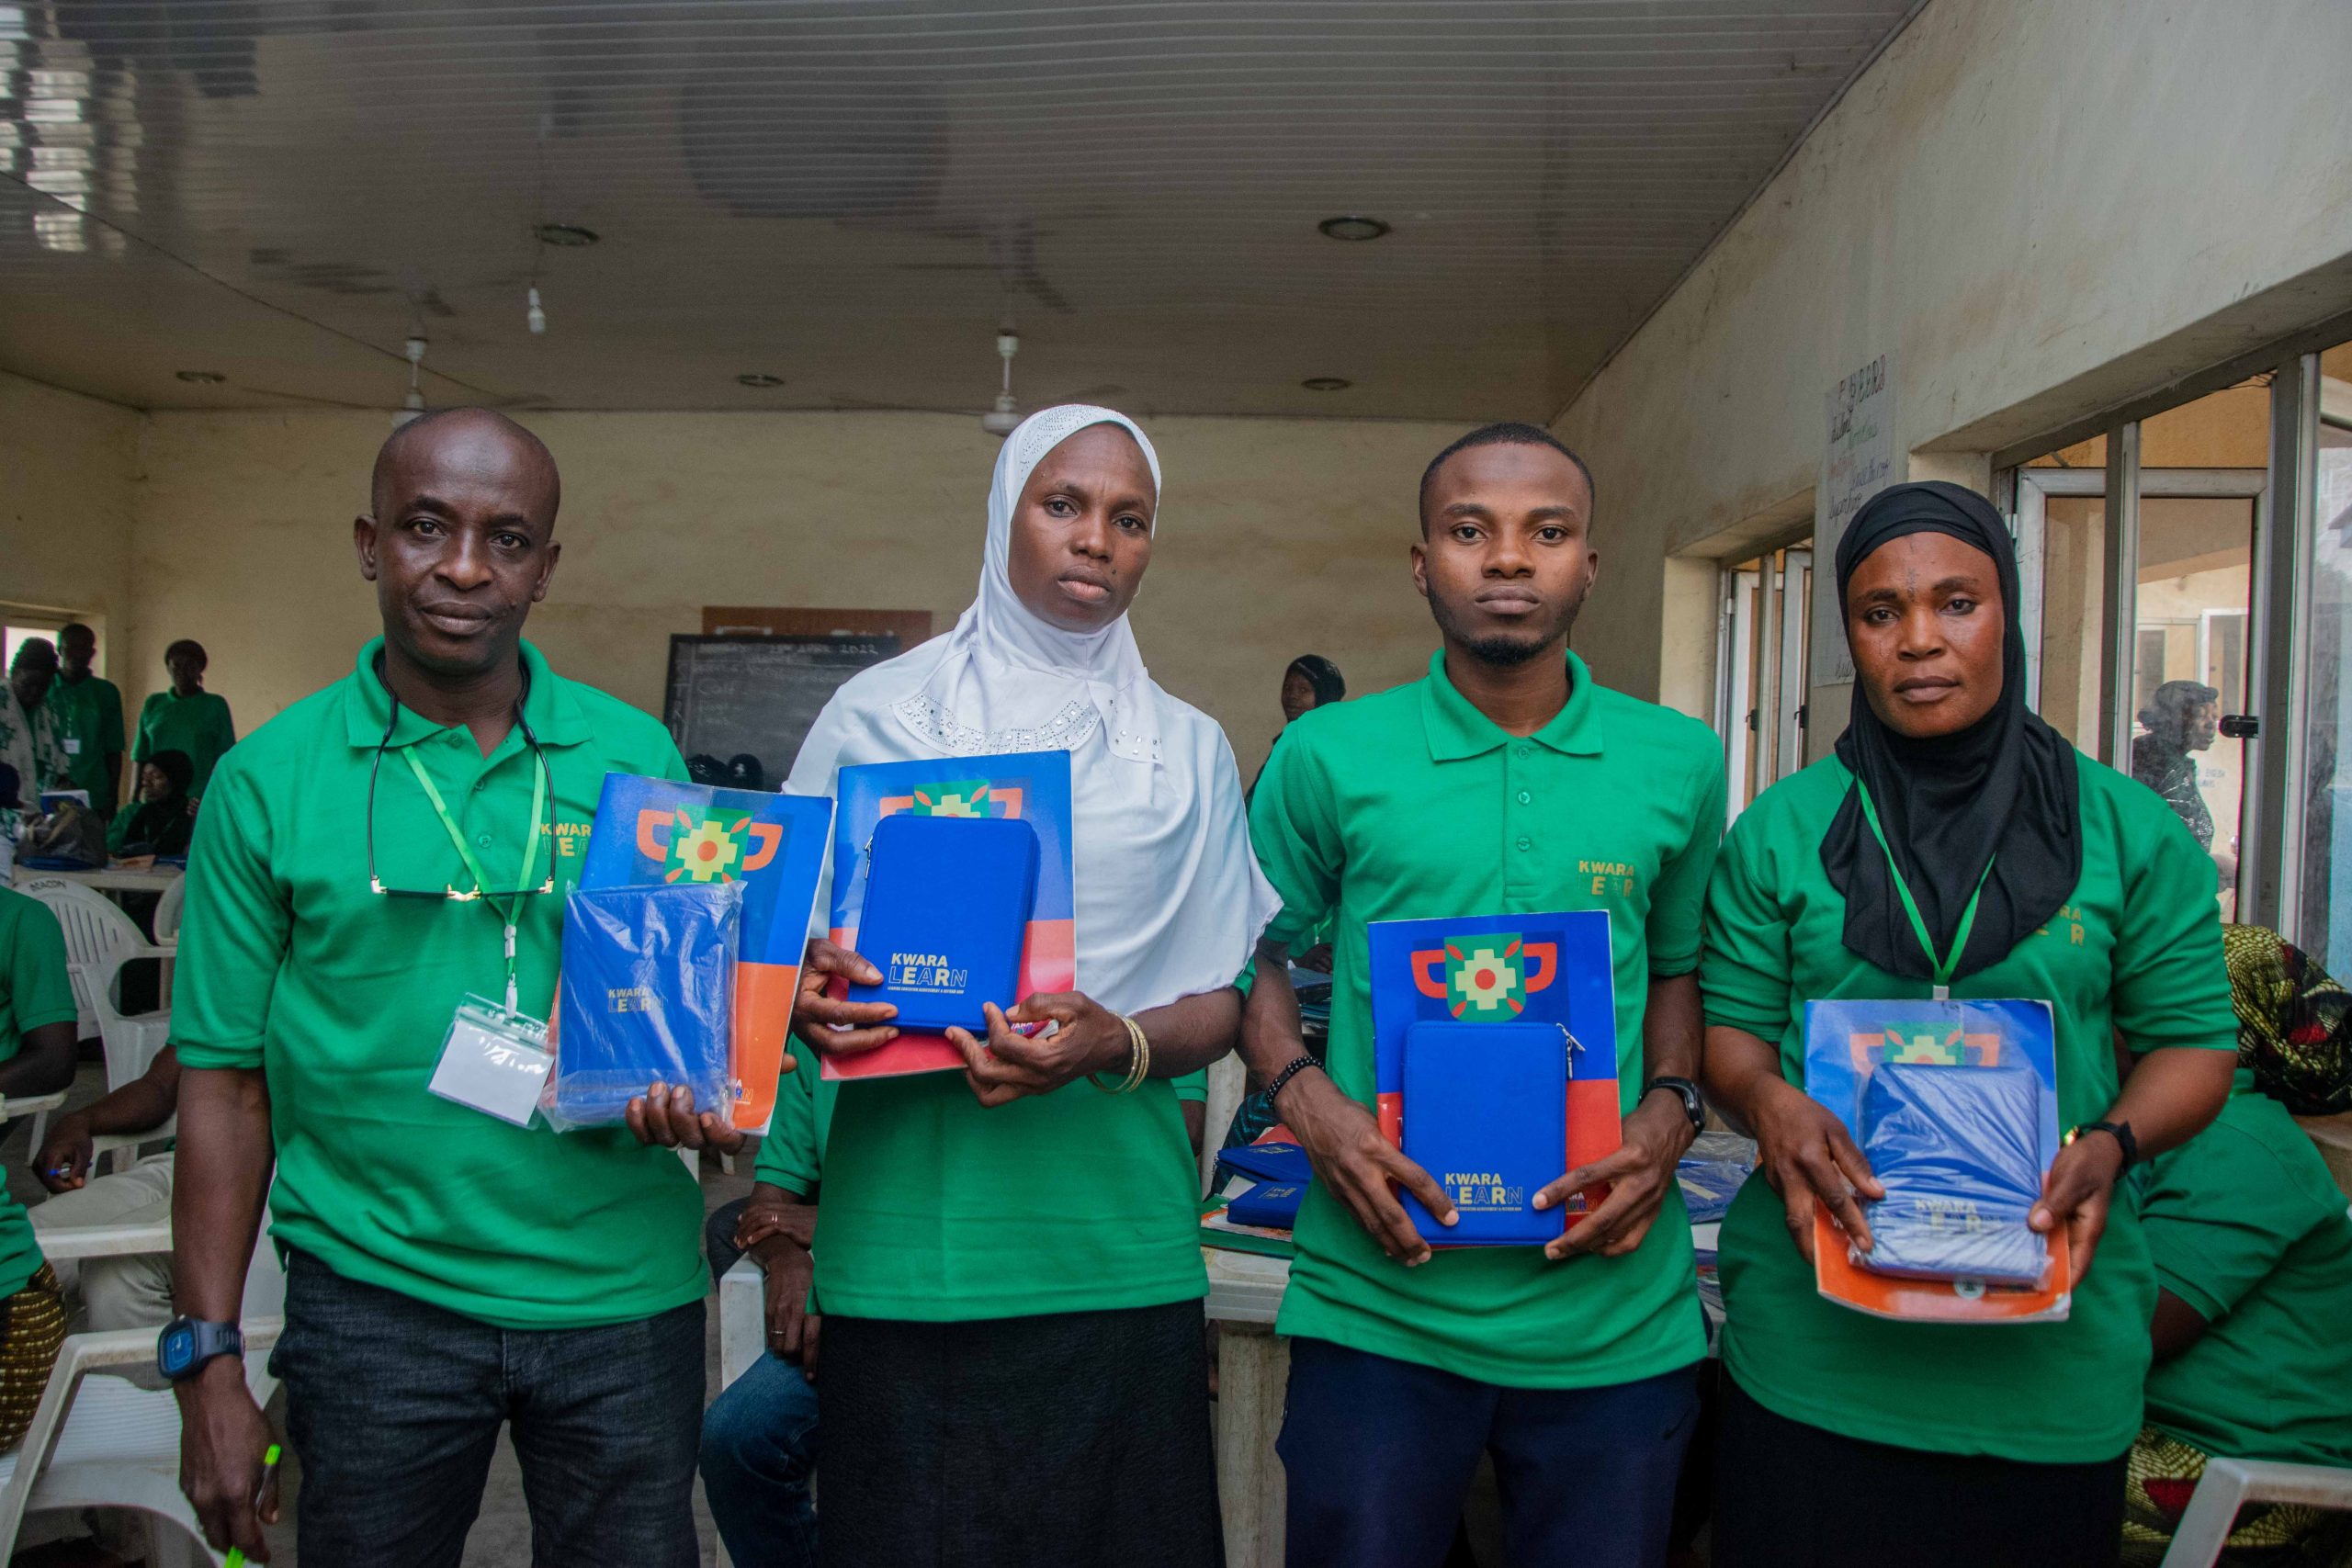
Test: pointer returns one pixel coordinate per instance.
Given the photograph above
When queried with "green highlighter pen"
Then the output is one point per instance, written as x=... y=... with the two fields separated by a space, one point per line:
x=236 y=1557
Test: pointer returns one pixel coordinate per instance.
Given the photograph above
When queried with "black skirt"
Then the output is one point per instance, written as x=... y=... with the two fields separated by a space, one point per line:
x=1074 y=1439
x=1790 y=1495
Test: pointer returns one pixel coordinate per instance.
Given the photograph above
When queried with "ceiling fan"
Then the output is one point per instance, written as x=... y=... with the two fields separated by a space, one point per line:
x=1005 y=418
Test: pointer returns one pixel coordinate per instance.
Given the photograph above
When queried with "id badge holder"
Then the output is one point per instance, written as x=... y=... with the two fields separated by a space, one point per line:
x=493 y=1061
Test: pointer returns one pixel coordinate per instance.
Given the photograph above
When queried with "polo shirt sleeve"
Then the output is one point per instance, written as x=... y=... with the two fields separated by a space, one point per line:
x=40 y=988
x=235 y=929
x=1295 y=830
x=788 y=1156
x=2219 y=1216
x=2171 y=986
x=1746 y=963
x=1677 y=903
x=141 y=743
x=1193 y=1086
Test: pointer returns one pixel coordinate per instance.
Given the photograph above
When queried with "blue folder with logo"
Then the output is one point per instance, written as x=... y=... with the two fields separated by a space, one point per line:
x=947 y=902
x=1485 y=1114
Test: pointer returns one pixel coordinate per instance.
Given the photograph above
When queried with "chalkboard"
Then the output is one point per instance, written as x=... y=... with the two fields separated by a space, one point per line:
x=734 y=695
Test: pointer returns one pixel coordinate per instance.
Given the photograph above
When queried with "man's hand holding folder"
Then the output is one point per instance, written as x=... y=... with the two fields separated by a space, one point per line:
x=1022 y=1058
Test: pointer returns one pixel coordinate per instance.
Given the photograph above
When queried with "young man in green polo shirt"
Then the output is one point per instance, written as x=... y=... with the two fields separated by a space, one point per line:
x=447 y=1271
x=86 y=714
x=1506 y=782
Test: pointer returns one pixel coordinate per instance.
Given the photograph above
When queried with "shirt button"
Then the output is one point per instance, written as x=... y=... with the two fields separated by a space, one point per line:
x=1524 y=797
x=1523 y=751
x=1525 y=842
x=482 y=839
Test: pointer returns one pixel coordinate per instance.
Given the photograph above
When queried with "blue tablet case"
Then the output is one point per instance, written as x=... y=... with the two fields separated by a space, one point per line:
x=1268 y=1205
x=1485 y=1113
x=947 y=902
x=1954 y=1147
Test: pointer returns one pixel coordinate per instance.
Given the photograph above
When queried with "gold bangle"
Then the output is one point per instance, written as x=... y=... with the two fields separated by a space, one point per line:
x=1133 y=1048
x=1142 y=1068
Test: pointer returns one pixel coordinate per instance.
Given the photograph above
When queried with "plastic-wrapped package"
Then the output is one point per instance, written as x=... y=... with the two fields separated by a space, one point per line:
x=648 y=997
x=1956 y=1149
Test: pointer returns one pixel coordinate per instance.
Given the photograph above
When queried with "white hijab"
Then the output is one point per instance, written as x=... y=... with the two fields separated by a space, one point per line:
x=1169 y=899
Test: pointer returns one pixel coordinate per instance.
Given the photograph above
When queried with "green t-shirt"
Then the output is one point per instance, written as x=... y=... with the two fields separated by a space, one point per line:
x=1412 y=804
x=2137 y=948
x=2247 y=1226
x=35 y=989
x=290 y=963
x=86 y=715
x=792 y=1155
x=198 y=725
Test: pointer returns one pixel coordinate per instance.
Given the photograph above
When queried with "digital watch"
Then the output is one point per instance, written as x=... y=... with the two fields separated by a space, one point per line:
x=187 y=1343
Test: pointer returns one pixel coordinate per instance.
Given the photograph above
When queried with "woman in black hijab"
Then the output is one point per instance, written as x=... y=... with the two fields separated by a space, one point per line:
x=1955 y=845
x=162 y=823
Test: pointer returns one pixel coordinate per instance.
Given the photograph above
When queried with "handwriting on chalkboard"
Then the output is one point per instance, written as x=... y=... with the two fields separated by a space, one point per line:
x=734 y=697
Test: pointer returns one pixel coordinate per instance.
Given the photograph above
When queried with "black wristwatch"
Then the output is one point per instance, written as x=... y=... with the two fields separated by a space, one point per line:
x=187 y=1343
x=1693 y=1105
x=2121 y=1132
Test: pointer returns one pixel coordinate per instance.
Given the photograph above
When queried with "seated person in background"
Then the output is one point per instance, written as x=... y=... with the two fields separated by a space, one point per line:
x=186 y=718
x=2254 y=1269
x=164 y=818
x=759 y=1437
x=36 y=1016
x=113 y=1293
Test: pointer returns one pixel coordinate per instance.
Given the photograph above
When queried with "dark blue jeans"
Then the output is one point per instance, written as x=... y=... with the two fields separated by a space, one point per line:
x=1380 y=1454
x=393 y=1409
x=759 y=1451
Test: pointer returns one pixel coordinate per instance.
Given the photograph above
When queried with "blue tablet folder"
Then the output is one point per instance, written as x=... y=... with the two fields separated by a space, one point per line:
x=947 y=902
x=649 y=995
x=1954 y=1147
x=1270 y=1205
x=1485 y=1113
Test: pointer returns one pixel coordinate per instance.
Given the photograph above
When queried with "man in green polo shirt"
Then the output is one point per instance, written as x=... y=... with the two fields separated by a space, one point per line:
x=86 y=714
x=447 y=1271
x=1507 y=781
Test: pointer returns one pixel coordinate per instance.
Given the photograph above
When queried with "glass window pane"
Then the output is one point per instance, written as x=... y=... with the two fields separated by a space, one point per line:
x=2325 y=928
x=2074 y=615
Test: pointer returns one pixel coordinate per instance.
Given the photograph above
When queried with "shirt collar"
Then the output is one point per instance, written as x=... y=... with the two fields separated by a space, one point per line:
x=554 y=714
x=1455 y=729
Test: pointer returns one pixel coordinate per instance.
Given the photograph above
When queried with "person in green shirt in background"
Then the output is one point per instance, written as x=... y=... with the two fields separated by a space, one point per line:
x=37 y=1018
x=2253 y=1251
x=186 y=718
x=28 y=733
x=759 y=1437
x=87 y=715
x=1508 y=781
x=2000 y=862
x=376 y=854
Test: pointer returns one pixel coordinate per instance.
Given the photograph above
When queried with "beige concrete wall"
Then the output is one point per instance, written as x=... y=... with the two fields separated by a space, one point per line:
x=66 y=471
x=2036 y=209
x=1277 y=537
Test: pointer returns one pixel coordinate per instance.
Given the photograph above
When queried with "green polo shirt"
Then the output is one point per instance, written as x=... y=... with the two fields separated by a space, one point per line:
x=1413 y=805
x=198 y=725
x=2247 y=1226
x=2138 y=948
x=87 y=718
x=792 y=1155
x=34 y=989
x=342 y=997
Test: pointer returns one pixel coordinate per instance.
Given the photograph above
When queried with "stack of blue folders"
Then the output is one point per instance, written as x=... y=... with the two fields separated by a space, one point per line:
x=1278 y=1173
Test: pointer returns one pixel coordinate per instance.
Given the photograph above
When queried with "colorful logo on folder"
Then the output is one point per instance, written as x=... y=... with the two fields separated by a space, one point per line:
x=1485 y=978
x=705 y=846
x=1030 y=786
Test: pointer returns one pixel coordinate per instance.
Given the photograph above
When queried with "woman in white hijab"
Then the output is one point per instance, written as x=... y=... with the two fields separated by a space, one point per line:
x=1007 y=1260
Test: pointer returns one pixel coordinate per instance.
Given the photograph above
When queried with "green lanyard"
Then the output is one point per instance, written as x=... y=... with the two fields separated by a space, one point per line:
x=512 y=909
x=1943 y=966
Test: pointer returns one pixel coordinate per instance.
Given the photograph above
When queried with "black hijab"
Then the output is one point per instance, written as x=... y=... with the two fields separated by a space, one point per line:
x=1329 y=685
x=163 y=827
x=2004 y=790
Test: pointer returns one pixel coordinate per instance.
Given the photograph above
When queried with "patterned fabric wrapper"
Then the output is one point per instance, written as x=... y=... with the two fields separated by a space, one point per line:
x=2293 y=1032
x=2162 y=1476
x=32 y=1329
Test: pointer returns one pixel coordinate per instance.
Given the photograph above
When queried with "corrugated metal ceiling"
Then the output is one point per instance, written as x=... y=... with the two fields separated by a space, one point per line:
x=852 y=196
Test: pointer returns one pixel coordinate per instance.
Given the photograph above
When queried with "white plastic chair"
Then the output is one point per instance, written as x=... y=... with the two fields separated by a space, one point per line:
x=99 y=1441
x=99 y=940
x=2230 y=1483
x=167 y=913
